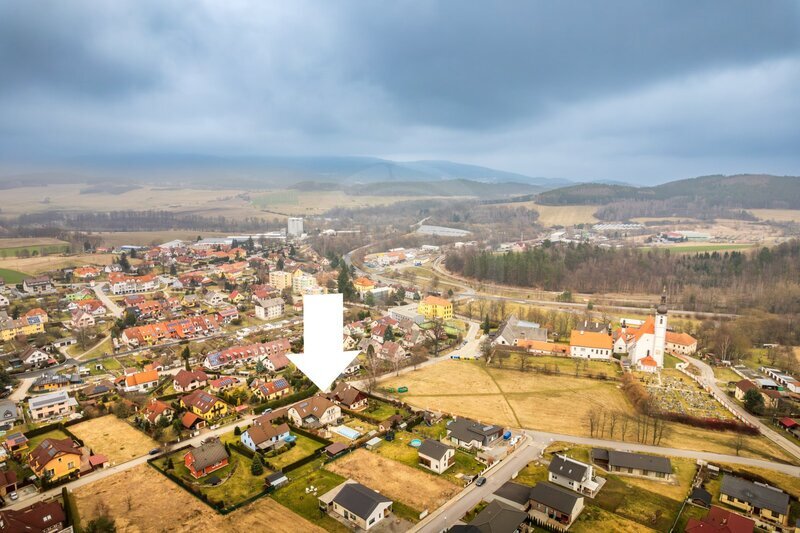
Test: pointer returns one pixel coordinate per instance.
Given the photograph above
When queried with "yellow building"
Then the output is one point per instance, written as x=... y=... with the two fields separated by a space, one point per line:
x=54 y=459
x=10 y=328
x=363 y=285
x=434 y=307
x=205 y=405
x=280 y=279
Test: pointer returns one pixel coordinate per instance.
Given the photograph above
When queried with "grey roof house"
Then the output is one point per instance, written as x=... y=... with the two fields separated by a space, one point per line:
x=356 y=503
x=469 y=433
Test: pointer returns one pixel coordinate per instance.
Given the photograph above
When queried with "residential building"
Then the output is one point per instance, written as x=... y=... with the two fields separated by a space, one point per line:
x=189 y=380
x=552 y=504
x=50 y=382
x=274 y=351
x=302 y=283
x=264 y=436
x=33 y=356
x=590 y=345
x=315 y=412
x=39 y=285
x=633 y=464
x=294 y=226
x=762 y=501
x=408 y=311
x=54 y=459
x=514 y=495
x=272 y=389
x=222 y=384
x=120 y=283
x=467 y=433
x=51 y=405
x=155 y=411
x=363 y=285
x=9 y=413
x=15 y=442
x=574 y=475
x=436 y=456
x=40 y=517
x=356 y=503
x=215 y=299
x=719 y=520
x=513 y=331
x=270 y=309
x=681 y=343
x=280 y=280
x=206 y=458
x=205 y=405
x=432 y=307
x=496 y=517
x=140 y=381
x=25 y=325
x=348 y=396
x=185 y=328
x=4 y=301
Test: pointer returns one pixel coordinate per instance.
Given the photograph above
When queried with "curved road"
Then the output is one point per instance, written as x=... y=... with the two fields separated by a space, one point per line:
x=709 y=380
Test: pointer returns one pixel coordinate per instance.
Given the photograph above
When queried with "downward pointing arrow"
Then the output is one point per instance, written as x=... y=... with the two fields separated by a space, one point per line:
x=324 y=358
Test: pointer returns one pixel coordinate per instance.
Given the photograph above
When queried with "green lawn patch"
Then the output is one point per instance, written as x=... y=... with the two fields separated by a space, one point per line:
x=689 y=511
x=34 y=250
x=380 y=410
x=399 y=450
x=12 y=277
x=303 y=448
x=293 y=495
x=33 y=442
x=636 y=504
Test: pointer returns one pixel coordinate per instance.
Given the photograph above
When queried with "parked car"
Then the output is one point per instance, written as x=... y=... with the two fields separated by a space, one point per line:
x=480 y=481
x=13 y=495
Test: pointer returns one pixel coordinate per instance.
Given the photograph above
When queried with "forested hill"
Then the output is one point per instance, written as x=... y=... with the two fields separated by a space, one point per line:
x=744 y=191
x=767 y=278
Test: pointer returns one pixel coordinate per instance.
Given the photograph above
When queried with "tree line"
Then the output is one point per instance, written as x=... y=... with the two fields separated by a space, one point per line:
x=766 y=278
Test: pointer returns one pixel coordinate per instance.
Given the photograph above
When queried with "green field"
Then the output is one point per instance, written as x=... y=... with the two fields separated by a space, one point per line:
x=272 y=199
x=43 y=249
x=295 y=497
x=12 y=277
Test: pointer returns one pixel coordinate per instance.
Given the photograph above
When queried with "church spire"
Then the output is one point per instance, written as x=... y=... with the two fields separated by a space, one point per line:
x=662 y=307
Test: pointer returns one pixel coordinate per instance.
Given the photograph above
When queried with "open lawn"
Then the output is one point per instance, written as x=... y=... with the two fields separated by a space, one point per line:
x=131 y=497
x=33 y=250
x=399 y=450
x=294 y=495
x=114 y=438
x=594 y=518
x=537 y=401
x=398 y=481
x=33 y=442
x=303 y=448
x=382 y=410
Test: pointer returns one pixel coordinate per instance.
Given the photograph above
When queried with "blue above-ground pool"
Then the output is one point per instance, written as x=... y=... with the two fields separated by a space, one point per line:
x=416 y=443
x=289 y=438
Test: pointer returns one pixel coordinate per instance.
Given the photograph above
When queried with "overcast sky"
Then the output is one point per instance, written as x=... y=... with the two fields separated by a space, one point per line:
x=636 y=91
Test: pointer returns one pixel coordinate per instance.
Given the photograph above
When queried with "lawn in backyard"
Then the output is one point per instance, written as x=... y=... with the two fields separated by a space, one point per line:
x=303 y=448
x=380 y=410
x=294 y=495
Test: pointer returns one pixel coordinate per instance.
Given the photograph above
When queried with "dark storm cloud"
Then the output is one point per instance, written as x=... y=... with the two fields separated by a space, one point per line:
x=636 y=90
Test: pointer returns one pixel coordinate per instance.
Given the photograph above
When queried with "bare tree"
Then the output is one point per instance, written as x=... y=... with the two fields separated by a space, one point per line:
x=738 y=443
x=624 y=427
x=612 y=422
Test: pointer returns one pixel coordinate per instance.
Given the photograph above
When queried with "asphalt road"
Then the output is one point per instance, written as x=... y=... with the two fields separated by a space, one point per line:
x=111 y=306
x=708 y=378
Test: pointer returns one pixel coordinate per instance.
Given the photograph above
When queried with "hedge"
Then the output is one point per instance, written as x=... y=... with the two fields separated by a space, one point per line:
x=312 y=436
x=71 y=510
x=286 y=400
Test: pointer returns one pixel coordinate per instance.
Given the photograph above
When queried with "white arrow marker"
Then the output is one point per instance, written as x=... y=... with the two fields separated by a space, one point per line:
x=324 y=358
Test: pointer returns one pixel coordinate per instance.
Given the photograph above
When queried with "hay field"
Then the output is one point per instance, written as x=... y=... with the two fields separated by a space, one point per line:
x=537 y=401
x=147 y=238
x=37 y=265
x=395 y=480
x=778 y=215
x=19 y=242
x=114 y=438
x=142 y=500
x=292 y=202
x=560 y=215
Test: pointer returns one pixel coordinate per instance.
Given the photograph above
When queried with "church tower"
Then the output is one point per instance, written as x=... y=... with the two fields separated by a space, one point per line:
x=660 y=337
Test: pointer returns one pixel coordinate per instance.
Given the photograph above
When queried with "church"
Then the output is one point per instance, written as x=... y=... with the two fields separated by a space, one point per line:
x=646 y=344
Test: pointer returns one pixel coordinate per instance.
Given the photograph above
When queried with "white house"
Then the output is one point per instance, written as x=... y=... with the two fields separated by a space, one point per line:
x=314 y=413
x=265 y=436
x=49 y=405
x=356 y=503
x=590 y=345
x=436 y=456
x=34 y=356
x=3 y=301
x=574 y=475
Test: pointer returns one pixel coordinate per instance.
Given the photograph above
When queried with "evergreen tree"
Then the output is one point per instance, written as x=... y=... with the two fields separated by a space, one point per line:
x=185 y=355
x=257 y=467
x=124 y=263
x=486 y=326
x=345 y=284
x=754 y=402
x=369 y=300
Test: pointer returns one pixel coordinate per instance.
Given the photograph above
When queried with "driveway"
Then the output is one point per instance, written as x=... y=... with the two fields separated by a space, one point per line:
x=113 y=308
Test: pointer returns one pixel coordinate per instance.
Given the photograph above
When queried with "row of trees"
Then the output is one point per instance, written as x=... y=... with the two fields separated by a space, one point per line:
x=767 y=278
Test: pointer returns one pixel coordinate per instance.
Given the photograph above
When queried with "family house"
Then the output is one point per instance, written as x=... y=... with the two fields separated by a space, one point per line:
x=33 y=356
x=681 y=343
x=348 y=396
x=120 y=283
x=274 y=351
x=54 y=459
x=719 y=520
x=9 y=413
x=38 y=285
x=40 y=517
x=574 y=475
x=262 y=435
x=189 y=380
x=206 y=458
x=763 y=501
x=552 y=504
x=315 y=412
x=140 y=381
x=496 y=517
x=270 y=390
x=15 y=442
x=633 y=464
x=356 y=503
x=80 y=319
x=467 y=433
x=50 y=405
x=222 y=384
x=204 y=405
x=513 y=330
x=155 y=411
x=436 y=456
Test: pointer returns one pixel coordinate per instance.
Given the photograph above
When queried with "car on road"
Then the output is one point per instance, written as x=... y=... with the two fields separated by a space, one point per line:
x=480 y=481
x=155 y=451
x=13 y=495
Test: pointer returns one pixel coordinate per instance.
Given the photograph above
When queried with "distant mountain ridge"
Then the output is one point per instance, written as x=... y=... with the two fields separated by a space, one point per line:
x=740 y=191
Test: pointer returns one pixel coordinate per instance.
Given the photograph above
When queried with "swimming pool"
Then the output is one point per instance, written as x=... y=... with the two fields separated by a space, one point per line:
x=416 y=443
x=347 y=432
